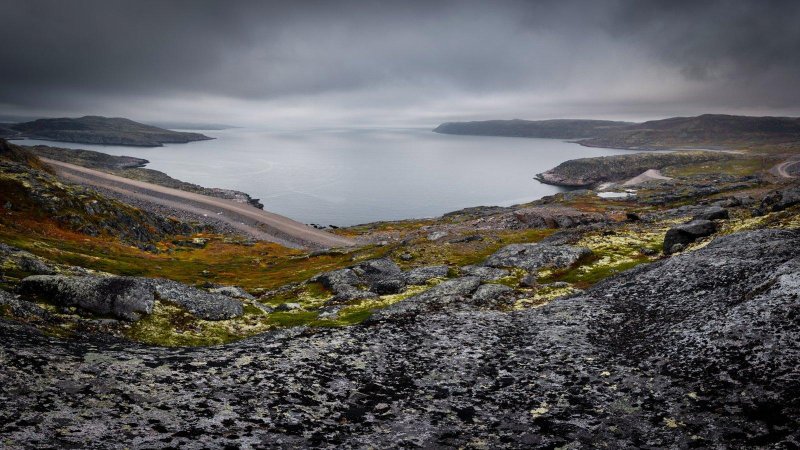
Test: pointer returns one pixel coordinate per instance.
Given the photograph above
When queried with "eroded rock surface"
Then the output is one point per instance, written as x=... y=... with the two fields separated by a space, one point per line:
x=698 y=350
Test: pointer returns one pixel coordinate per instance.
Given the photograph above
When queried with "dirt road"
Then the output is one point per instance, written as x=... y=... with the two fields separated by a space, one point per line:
x=782 y=168
x=245 y=218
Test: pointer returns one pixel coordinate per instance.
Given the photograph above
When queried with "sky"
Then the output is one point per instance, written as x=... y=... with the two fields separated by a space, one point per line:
x=397 y=63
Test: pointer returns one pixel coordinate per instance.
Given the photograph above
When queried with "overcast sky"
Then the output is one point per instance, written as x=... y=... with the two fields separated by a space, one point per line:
x=397 y=63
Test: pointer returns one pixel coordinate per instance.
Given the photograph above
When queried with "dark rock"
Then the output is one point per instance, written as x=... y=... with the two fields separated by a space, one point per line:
x=555 y=217
x=390 y=286
x=530 y=280
x=780 y=200
x=687 y=233
x=123 y=297
x=712 y=213
x=537 y=256
x=344 y=293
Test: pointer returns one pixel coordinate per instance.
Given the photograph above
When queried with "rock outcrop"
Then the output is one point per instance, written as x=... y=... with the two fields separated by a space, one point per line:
x=127 y=298
x=122 y=297
x=537 y=256
x=697 y=350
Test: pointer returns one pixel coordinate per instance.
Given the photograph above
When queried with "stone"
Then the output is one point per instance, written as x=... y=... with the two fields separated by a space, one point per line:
x=537 y=256
x=529 y=280
x=712 y=213
x=687 y=233
x=232 y=291
x=122 y=297
x=20 y=308
x=288 y=307
x=485 y=273
x=390 y=286
x=422 y=275
x=436 y=235
x=490 y=294
x=202 y=304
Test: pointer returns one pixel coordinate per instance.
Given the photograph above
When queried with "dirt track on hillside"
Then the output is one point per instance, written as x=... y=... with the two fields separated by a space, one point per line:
x=247 y=219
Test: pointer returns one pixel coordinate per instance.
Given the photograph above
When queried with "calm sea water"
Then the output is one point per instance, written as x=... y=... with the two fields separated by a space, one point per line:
x=351 y=176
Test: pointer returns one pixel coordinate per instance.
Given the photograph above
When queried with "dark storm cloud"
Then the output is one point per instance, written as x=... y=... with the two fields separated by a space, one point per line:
x=379 y=60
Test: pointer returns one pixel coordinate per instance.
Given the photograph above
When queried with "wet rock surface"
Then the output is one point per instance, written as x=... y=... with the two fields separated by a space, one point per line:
x=698 y=350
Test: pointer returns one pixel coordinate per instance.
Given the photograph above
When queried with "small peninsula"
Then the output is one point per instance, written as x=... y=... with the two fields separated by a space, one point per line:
x=98 y=130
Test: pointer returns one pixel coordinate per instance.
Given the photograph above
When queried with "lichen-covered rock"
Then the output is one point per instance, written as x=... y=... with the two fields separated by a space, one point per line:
x=780 y=200
x=389 y=286
x=123 y=297
x=537 y=256
x=684 y=234
x=202 y=304
x=493 y=294
x=453 y=291
x=698 y=350
x=555 y=217
x=232 y=291
x=422 y=275
x=20 y=309
x=712 y=213
x=485 y=273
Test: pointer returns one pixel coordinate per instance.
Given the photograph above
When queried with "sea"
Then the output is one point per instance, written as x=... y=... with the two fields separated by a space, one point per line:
x=349 y=176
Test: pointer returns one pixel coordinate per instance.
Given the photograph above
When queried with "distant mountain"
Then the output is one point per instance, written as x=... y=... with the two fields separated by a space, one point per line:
x=708 y=130
x=554 y=129
x=98 y=130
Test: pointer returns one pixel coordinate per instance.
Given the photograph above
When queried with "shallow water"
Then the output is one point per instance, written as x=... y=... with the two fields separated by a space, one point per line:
x=350 y=176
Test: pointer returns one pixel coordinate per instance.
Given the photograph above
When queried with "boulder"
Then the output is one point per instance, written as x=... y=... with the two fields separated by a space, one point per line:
x=537 y=256
x=493 y=294
x=684 y=234
x=283 y=307
x=421 y=275
x=712 y=213
x=484 y=273
x=449 y=292
x=389 y=286
x=205 y=305
x=122 y=297
x=555 y=217
x=345 y=293
x=232 y=291
x=337 y=278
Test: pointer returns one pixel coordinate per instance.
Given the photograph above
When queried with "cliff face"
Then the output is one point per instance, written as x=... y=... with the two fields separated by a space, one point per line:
x=100 y=130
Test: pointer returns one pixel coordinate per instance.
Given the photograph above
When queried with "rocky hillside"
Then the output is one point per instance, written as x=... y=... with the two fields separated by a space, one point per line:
x=585 y=172
x=554 y=129
x=29 y=193
x=708 y=130
x=98 y=130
